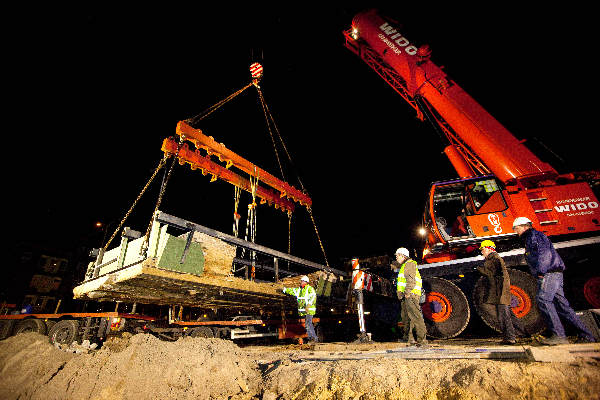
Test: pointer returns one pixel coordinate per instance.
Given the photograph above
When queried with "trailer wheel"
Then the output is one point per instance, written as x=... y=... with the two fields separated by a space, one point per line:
x=49 y=324
x=523 y=288
x=30 y=325
x=446 y=309
x=202 y=331
x=64 y=332
x=6 y=328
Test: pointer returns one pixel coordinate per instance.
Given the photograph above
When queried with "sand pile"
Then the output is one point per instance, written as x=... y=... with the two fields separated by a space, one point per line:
x=432 y=380
x=143 y=367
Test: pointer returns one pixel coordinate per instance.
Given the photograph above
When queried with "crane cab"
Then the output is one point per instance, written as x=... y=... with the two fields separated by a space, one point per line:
x=460 y=213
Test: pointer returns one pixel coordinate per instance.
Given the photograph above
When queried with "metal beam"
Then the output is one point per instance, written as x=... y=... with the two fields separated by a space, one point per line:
x=206 y=165
x=181 y=223
x=200 y=140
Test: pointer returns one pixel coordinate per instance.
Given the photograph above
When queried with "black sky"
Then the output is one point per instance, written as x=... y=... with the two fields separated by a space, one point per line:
x=93 y=92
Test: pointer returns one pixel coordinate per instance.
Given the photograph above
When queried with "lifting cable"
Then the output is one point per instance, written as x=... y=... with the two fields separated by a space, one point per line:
x=158 y=168
x=236 y=217
x=269 y=117
x=251 y=224
x=163 y=187
x=191 y=121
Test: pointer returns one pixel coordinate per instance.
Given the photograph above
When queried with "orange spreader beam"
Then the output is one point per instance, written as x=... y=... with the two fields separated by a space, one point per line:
x=201 y=141
x=206 y=165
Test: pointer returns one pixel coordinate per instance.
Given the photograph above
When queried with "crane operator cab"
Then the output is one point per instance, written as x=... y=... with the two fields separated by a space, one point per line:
x=460 y=213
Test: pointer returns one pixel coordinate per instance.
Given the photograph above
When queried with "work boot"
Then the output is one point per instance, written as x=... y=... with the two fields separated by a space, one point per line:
x=423 y=343
x=508 y=341
x=554 y=340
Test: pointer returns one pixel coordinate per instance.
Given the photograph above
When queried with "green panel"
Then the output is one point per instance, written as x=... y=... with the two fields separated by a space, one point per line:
x=320 y=285
x=171 y=256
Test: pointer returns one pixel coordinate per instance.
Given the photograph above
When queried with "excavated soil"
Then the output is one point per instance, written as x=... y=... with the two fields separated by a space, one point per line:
x=144 y=367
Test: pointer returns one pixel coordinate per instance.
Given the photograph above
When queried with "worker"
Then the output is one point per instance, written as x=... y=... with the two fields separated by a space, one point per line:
x=546 y=265
x=499 y=288
x=307 y=305
x=408 y=289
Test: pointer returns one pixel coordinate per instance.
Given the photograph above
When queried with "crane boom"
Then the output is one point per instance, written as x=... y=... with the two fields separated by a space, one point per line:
x=456 y=112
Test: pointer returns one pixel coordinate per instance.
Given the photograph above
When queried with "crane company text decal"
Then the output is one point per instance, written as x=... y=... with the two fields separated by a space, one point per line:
x=396 y=39
x=582 y=205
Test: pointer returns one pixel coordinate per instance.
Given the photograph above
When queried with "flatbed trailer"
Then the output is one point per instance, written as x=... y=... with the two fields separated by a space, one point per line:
x=66 y=328
x=168 y=280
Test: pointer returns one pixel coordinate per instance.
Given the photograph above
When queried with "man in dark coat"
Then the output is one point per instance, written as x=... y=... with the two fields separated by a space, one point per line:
x=546 y=265
x=499 y=288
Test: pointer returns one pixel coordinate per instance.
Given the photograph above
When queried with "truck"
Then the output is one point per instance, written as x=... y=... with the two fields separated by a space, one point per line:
x=499 y=179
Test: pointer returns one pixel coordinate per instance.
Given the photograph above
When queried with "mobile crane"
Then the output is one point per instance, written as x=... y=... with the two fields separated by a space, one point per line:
x=499 y=179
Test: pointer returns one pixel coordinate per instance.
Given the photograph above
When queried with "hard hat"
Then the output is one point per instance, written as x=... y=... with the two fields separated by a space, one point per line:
x=521 y=221
x=487 y=243
x=403 y=251
x=304 y=278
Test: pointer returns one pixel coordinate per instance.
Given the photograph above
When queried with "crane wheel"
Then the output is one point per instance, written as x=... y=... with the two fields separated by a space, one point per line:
x=446 y=309
x=591 y=291
x=527 y=319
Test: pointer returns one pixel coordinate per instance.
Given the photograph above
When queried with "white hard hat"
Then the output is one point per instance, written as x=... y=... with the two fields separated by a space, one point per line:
x=521 y=221
x=403 y=251
x=304 y=278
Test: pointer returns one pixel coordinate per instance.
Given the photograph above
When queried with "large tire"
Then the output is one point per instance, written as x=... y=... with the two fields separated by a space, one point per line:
x=6 y=328
x=30 y=325
x=64 y=332
x=446 y=309
x=202 y=331
x=523 y=288
x=591 y=291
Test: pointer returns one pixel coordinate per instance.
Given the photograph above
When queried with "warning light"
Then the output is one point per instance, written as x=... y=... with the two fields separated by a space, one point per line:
x=354 y=33
x=340 y=321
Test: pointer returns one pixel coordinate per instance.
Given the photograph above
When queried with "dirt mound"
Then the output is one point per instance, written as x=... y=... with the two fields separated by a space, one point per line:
x=432 y=380
x=146 y=368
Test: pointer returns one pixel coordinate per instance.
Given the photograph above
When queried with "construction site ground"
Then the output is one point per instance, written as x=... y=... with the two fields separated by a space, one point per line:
x=143 y=367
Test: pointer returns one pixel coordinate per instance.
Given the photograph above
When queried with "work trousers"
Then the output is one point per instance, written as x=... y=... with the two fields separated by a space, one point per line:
x=310 y=328
x=553 y=304
x=505 y=321
x=412 y=319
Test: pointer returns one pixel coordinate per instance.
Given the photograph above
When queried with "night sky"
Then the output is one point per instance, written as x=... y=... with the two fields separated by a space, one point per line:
x=94 y=91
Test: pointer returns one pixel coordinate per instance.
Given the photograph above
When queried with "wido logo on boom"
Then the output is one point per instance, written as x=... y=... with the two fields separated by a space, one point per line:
x=396 y=40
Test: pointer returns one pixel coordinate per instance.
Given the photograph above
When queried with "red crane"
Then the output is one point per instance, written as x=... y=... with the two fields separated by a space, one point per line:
x=499 y=177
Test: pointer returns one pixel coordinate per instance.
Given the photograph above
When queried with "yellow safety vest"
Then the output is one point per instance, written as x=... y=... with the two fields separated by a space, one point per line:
x=307 y=299
x=401 y=281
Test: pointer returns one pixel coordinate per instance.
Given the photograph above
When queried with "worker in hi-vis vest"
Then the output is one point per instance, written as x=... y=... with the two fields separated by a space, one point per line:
x=307 y=305
x=408 y=289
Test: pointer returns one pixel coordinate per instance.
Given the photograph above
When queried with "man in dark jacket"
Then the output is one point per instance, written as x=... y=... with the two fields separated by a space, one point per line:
x=499 y=288
x=546 y=265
